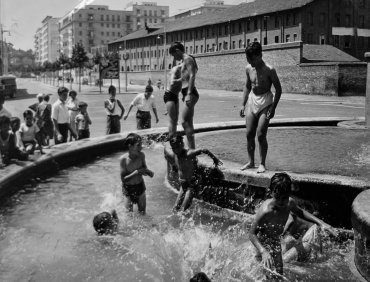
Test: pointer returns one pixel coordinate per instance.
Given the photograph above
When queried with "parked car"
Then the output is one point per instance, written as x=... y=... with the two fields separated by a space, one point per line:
x=8 y=86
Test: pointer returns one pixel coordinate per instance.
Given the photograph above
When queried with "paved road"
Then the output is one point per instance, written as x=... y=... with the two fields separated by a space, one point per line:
x=213 y=106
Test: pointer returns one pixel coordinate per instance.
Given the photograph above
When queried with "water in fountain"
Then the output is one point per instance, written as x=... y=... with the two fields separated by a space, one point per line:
x=46 y=234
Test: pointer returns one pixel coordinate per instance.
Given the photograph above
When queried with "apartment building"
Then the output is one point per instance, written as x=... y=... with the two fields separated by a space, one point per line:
x=47 y=40
x=91 y=26
x=147 y=13
x=205 y=7
x=344 y=24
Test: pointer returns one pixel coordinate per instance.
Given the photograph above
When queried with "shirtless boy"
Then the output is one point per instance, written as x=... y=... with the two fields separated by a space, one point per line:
x=133 y=168
x=186 y=161
x=190 y=93
x=171 y=99
x=106 y=223
x=271 y=220
x=261 y=103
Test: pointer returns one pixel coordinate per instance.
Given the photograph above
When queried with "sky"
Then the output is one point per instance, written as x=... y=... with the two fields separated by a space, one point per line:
x=23 y=17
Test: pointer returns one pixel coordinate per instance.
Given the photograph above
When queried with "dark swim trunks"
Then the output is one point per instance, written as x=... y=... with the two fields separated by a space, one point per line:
x=133 y=191
x=184 y=92
x=192 y=183
x=170 y=97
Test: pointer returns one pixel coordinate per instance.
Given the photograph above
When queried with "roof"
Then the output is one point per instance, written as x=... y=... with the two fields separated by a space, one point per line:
x=325 y=53
x=244 y=10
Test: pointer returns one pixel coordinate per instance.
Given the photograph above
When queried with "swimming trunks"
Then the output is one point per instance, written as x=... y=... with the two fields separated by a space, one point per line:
x=143 y=120
x=134 y=191
x=170 y=97
x=184 y=92
x=256 y=103
x=193 y=182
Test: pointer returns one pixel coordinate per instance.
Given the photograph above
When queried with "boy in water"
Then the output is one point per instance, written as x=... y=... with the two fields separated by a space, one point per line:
x=186 y=161
x=271 y=220
x=171 y=99
x=106 y=223
x=133 y=168
x=261 y=103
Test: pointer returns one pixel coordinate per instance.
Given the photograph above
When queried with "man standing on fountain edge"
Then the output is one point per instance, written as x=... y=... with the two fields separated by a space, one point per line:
x=261 y=103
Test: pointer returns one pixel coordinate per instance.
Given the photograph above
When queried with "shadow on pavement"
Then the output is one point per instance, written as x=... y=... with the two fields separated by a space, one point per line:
x=23 y=94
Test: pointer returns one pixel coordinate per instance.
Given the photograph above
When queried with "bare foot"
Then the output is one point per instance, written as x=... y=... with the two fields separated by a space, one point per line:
x=248 y=165
x=261 y=169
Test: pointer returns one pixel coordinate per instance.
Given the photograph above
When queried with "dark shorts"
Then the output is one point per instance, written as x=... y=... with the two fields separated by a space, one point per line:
x=170 y=97
x=63 y=129
x=133 y=191
x=193 y=183
x=143 y=120
x=113 y=124
x=83 y=134
x=184 y=92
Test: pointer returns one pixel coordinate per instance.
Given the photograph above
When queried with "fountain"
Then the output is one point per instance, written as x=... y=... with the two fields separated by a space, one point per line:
x=45 y=219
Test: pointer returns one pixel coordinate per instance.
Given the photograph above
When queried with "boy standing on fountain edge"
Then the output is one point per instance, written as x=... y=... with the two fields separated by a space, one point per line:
x=261 y=102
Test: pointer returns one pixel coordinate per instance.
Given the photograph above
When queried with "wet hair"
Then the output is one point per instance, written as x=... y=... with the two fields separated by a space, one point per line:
x=72 y=92
x=149 y=88
x=176 y=45
x=102 y=222
x=132 y=139
x=14 y=120
x=281 y=184
x=177 y=138
x=27 y=113
x=4 y=120
x=200 y=277
x=111 y=88
x=253 y=49
x=46 y=97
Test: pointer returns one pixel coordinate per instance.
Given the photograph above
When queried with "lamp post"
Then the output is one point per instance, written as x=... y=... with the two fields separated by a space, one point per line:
x=165 y=55
x=2 y=49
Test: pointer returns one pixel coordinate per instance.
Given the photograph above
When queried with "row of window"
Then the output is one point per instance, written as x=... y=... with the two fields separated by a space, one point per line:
x=113 y=18
x=105 y=25
x=346 y=42
x=146 y=13
x=107 y=33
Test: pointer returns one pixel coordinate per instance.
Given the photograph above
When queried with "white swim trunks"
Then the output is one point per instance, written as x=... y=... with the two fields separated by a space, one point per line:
x=256 y=103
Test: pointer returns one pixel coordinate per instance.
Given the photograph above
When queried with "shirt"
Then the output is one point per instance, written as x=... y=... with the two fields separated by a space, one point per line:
x=59 y=112
x=112 y=108
x=28 y=133
x=4 y=112
x=82 y=122
x=143 y=104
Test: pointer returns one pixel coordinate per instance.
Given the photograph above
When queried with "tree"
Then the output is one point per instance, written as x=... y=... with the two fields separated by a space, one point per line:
x=63 y=60
x=56 y=67
x=79 y=58
x=89 y=65
x=47 y=66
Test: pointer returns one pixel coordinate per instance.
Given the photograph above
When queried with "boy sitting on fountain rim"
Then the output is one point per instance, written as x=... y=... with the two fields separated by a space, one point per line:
x=187 y=163
x=271 y=222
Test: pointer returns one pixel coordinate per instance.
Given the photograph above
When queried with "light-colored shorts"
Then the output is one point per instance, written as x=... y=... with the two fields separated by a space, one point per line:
x=256 y=103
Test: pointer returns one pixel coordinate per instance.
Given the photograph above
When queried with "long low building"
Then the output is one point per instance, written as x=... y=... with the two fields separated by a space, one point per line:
x=275 y=23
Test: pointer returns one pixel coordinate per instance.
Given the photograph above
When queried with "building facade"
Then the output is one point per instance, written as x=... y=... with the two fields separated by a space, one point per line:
x=91 y=26
x=47 y=40
x=206 y=7
x=147 y=13
x=266 y=21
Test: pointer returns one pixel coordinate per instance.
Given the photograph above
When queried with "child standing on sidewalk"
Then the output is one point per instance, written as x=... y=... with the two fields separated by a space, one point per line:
x=83 y=121
x=29 y=132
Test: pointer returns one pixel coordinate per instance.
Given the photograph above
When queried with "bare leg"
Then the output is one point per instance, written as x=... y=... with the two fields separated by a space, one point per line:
x=188 y=198
x=127 y=203
x=179 y=200
x=187 y=123
x=263 y=124
x=251 y=124
x=173 y=115
x=141 y=203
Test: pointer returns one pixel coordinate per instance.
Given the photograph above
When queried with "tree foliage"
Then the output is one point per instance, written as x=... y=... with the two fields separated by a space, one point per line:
x=79 y=55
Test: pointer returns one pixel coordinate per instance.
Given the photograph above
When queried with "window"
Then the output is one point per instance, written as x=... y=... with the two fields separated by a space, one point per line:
x=128 y=19
x=90 y=17
x=150 y=20
x=287 y=38
x=196 y=34
x=155 y=13
x=113 y=18
x=322 y=19
x=107 y=24
x=191 y=49
x=107 y=33
x=207 y=50
x=248 y=41
x=295 y=19
x=119 y=34
x=80 y=24
x=337 y=19
x=196 y=49
x=113 y=34
x=102 y=33
x=191 y=35
x=107 y=17
x=80 y=32
x=287 y=20
x=145 y=13
x=186 y=50
x=150 y=13
x=240 y=28
x=155 y=20
x=102 y=25
x=118 y=18
x=233 y=45
x=118 y=26
x=276 y=39
x=201 y=48
x=220 y=47
x=138 y=12
x=310 y=38
x=347 y=41
x=361 y=21
x=102 y=17
x=336 y=40
x=225 y=45
x=201 y=33
x=277 y=22
x=91 y=25
x=240 y=44
x=255 y=25
x=113 y=25
x=348 y=20
x=310 y=18
x=248 y=25
x=295 y=37
x=80 y=15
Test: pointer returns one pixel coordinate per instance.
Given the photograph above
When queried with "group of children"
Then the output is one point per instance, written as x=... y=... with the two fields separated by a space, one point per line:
x=19 y=140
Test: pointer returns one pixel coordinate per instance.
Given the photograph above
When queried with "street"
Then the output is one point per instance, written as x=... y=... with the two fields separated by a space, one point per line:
x=213 y=105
